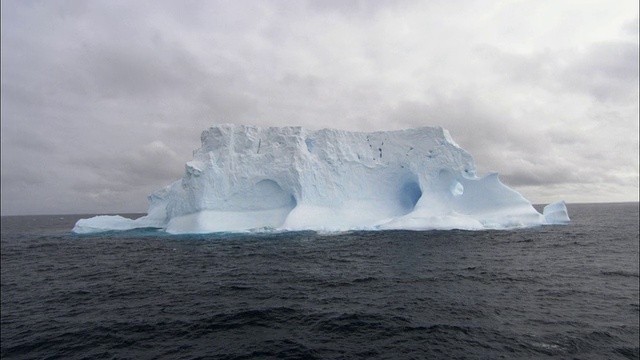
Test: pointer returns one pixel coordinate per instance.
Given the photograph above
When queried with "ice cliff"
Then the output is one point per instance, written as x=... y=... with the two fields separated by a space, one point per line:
x=290 y=178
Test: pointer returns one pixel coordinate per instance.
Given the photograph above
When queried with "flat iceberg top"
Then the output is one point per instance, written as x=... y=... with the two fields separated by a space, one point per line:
x=290 y=178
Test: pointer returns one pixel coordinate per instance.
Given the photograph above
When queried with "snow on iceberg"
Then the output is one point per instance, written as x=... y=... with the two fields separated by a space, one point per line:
x=251 y=178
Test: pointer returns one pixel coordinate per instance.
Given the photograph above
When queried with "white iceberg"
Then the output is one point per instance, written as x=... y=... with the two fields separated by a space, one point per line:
x=251 y=178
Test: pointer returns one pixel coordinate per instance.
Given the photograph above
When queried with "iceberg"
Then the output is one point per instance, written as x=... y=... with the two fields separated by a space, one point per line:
x=249 y=178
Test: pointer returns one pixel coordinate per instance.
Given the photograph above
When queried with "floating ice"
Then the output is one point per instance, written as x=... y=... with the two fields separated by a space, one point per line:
x=252 y=178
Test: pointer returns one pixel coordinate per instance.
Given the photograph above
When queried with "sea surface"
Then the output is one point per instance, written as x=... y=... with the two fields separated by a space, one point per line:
x=560 y=292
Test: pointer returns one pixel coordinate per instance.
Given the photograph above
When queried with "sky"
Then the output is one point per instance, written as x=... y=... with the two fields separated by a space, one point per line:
x=103 y=101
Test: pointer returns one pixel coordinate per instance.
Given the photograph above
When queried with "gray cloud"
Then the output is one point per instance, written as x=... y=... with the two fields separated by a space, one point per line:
x=607 y=71
x=103 y=102
x=131 y=169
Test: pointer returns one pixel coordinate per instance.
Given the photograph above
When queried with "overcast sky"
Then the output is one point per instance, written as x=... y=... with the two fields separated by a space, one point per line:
x=104 y=101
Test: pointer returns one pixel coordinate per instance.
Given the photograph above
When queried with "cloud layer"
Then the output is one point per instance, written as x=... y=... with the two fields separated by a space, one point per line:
x=103 y=101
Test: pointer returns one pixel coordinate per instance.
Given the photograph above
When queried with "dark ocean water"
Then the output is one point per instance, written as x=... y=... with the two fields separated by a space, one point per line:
x=559 y=292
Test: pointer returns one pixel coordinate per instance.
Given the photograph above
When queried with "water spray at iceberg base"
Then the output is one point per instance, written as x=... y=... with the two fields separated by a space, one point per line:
x=247 y=178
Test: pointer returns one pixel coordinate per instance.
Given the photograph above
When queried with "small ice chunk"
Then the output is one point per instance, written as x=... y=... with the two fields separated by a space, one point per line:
x=556 y=213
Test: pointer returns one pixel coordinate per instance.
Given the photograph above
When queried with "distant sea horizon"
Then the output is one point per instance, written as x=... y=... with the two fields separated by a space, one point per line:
x=537 y=206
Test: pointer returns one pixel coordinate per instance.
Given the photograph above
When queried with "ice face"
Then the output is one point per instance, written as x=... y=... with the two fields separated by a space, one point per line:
x=246 y=178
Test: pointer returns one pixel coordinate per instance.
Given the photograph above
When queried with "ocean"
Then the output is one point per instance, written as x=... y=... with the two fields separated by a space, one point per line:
x=559 y=292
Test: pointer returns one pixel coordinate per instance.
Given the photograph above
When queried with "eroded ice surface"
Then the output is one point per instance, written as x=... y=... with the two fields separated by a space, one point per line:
x=247 y=178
